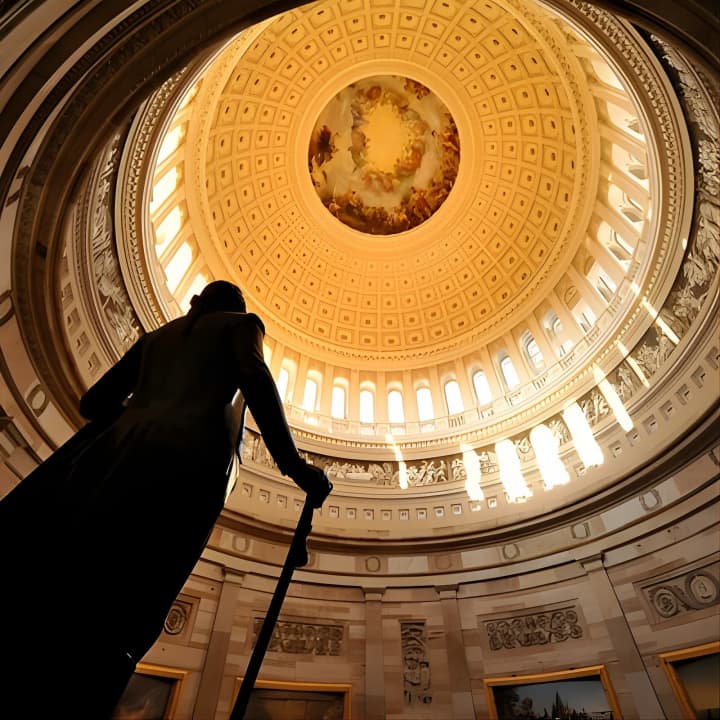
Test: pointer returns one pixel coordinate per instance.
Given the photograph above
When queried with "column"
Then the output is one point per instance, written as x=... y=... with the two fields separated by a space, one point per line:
x=459 y=677
x=629 y=669
x=374 y=656
x=213 y=670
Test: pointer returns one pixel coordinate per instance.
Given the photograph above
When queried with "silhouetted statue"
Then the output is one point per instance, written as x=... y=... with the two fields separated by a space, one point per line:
x=98 y=541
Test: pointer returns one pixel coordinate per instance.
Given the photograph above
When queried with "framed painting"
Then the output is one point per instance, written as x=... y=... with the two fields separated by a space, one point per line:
x=278 y=700
x=581 y=694
x=693 y=674
x=151 y=694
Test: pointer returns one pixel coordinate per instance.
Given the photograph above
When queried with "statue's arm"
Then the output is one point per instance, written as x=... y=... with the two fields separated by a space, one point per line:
x=257 y=385
x=106 y=397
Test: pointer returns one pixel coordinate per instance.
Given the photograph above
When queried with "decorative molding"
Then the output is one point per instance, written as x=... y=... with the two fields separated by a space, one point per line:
x=683 y=593
x=539 y=628
x=302 y=638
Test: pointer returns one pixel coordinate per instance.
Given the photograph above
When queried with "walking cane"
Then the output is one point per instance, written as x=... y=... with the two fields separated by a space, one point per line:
x=297 y=557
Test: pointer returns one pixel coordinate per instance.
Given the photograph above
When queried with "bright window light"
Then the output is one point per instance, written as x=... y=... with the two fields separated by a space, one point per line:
x=337 y=402
x=170 y=142
x=471 y=461
x=509 y=373
x=178 y=265
x=167 y=230
x=424 y=404
x=367 y=406
x=585 y=444
x=453 y=397
x=195 y=288
x=282 y=383
x=510 y=473
x=396 y=414
x=545 y=445
x=482 y=388
x=403 y=477
x=310 y=395
x=162 y=188
x=613 y=400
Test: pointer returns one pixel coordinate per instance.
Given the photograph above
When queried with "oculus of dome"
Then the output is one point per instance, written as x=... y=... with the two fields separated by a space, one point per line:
x=384 y=154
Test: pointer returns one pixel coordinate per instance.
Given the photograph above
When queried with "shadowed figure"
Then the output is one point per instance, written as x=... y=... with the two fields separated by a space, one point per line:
x=97 y=542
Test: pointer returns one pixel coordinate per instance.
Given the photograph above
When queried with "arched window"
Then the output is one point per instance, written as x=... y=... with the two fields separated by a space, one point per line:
x=482 y=387
x=178 y=265
x=453 y=397
x=283 y=382
x=396 y=412
x=367 y=406
x=168 y=229
x=310 y=395
x=508 y=372
x=424 y=404
x=338 y=402
x=532 y=351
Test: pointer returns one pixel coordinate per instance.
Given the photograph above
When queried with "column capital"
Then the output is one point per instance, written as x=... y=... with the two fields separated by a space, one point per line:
x=373 y=593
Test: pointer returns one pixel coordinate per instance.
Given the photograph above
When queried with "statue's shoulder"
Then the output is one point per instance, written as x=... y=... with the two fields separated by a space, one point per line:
x=248 y=319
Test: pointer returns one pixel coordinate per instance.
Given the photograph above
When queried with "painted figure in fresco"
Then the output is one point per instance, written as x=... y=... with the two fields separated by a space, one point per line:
x=98 y=541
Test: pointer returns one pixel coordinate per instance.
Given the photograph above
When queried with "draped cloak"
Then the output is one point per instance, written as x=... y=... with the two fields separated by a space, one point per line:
x=97 y=542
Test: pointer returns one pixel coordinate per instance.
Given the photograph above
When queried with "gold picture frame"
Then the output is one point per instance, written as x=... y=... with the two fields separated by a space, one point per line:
x=593 y=679
x=668 y=662
x=343 y=691
x=145 y=698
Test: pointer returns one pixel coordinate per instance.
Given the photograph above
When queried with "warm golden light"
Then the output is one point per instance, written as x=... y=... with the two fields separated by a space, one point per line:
x=545 y=445
x=510 y=472
x=471 y=461
x=585 y=444
x=613 y=400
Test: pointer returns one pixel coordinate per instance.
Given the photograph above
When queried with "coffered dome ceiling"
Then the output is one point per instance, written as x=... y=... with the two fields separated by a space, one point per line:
x=528 y=163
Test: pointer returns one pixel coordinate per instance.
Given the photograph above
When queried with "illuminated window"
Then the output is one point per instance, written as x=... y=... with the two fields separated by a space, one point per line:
x=283 y=382
x=170 y=142
x=168 y=229
x=424 y=404
x=453 y=397
x=162 y=188
x=509 y=373
x=178 y=265
x=367 y=406
x=195 y=288
x=310 y=394
x=338 y=402
x=532 y=351
x=482 y=388
x=396 y=413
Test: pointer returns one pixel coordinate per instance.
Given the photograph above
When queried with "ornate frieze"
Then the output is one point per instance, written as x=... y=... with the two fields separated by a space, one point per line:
x=540 y=628
x=304 y=638
x=683 y=593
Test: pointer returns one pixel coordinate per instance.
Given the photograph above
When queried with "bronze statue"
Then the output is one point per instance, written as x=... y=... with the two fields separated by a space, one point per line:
x=98 y=541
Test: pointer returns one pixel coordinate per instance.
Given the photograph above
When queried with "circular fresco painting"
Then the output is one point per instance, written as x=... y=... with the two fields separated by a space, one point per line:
x=384 y=154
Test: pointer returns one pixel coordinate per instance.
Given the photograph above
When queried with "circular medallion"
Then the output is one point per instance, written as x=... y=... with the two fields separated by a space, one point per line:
x=384 y=154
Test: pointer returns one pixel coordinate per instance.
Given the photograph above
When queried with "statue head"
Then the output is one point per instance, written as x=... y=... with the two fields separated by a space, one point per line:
x=218 y=296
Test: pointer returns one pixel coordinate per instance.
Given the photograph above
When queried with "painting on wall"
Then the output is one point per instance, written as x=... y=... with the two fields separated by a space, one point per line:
x=151 y=694
x=275 y=700
x=579 y=694
x=693 y=674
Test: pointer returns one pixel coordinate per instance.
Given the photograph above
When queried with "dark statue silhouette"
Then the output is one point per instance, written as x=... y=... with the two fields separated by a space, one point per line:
x=97 y=542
